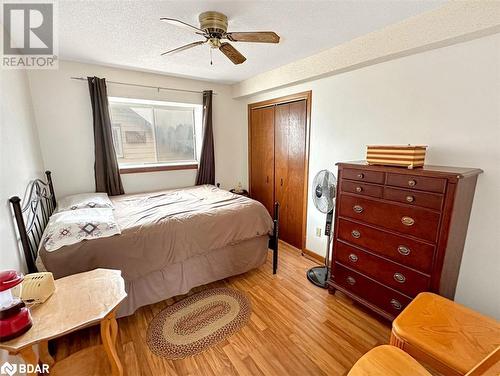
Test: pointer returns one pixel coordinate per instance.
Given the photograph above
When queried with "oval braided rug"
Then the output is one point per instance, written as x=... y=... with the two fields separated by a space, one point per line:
x=198 y=322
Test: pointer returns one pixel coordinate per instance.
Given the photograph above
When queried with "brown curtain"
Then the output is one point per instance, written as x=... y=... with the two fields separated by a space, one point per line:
x=106 y=170
x=206 y=170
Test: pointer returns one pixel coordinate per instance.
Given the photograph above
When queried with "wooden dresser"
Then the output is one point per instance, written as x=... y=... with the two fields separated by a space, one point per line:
x=399 y=232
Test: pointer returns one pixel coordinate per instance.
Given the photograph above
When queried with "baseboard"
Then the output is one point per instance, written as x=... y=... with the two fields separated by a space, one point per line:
x=313 y=255
x=307 y=253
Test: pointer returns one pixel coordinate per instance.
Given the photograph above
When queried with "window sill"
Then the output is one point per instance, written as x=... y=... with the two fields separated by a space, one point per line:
x=139 y=169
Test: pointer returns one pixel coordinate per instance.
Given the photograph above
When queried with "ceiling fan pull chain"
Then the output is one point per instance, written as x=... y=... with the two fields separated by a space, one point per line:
x=211 y=61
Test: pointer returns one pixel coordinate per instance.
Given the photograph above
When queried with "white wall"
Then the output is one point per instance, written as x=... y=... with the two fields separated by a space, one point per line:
x=447 y=98
x=64 y=118
x=20 y=158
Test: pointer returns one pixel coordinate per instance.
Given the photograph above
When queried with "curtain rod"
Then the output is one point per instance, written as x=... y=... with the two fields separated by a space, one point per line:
x=144 y=86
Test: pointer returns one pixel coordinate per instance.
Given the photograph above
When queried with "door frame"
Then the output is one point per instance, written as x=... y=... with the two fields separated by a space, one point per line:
x=307 y=96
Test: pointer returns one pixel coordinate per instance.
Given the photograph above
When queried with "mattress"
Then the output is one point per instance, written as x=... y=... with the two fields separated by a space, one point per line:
x=172 y=232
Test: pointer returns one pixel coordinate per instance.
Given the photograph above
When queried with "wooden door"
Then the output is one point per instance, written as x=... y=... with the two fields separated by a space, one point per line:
x=290 y=169
x=262 y=156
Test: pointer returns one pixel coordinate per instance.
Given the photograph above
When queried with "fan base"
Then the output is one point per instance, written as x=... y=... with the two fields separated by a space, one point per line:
x=318 y=276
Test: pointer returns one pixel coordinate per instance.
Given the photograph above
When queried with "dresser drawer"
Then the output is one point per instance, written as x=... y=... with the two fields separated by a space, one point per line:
x=421 y=183
x=363 y=175
x=414 y=254
x=389 y=273
x=418 y=222
x=361 y=188
x=383 y=297
x=425 y=200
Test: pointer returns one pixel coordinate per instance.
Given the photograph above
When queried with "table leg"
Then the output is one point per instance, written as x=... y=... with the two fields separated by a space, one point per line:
x=109 y=329
x=114 y=330
x=45 y=356
x=29 y=356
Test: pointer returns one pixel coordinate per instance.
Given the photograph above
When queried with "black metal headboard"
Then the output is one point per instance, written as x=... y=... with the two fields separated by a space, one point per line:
x=33 y=215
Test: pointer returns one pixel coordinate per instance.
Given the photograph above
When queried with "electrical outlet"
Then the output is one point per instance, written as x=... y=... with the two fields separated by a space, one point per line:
x=318 y=232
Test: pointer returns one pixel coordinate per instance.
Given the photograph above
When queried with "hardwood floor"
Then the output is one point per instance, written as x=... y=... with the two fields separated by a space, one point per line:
x=295 y=329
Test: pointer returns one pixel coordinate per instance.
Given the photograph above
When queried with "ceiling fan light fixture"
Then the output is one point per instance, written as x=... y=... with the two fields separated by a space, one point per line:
x=214 y=42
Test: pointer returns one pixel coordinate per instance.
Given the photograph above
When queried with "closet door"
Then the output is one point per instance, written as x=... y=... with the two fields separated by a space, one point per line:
x=290 y=149
x=262 y=156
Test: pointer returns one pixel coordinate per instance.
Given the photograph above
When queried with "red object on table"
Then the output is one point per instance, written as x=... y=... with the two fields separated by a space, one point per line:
x=15 y=318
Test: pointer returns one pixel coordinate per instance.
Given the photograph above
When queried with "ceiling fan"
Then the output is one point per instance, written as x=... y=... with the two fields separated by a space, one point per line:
x=213 y=27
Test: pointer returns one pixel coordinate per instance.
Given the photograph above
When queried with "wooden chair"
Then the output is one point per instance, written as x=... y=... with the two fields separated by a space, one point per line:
x=388 y=360
x=445 y=335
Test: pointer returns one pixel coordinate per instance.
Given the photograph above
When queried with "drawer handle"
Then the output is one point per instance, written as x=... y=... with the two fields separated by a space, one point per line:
x=355 y=234
x=353 y=257
x=396 y=304
x=407 y=221
x=412 y=183
x=398 y=277
x=405 y=251
x=359 y=189
x=361 y=176
x=358 y=209
x=350 y=280
x=410 y=198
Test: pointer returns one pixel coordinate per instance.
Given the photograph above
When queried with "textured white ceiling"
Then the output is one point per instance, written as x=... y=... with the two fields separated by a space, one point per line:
x=129 y=33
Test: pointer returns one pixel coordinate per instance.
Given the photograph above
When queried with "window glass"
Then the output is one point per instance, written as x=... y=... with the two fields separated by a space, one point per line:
x=175 y=138
x=147 y=132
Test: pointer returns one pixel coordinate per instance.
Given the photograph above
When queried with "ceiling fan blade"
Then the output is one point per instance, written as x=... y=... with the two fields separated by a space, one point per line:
x=254 y=36
x=185 y=47
x=232 y=53
x=185 y=25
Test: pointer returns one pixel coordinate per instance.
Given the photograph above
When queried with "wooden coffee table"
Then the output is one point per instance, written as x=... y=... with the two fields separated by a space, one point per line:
x=79 y=301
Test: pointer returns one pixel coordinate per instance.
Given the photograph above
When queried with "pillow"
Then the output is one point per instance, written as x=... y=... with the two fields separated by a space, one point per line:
x=74 y=226
x=84 y=200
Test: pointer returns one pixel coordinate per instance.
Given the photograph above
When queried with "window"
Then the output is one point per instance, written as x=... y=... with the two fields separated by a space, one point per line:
x=155 y=134
x=117 y=140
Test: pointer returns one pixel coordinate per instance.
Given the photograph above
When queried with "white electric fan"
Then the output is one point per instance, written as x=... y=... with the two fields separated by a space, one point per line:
x=323 y=192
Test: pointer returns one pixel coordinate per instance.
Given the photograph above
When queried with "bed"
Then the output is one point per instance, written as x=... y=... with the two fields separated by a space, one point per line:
x=170 y=241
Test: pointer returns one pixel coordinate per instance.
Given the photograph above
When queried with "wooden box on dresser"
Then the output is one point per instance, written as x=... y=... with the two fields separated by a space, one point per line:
x=399 y=232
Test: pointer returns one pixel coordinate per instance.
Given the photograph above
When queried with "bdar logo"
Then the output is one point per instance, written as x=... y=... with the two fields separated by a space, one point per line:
x=11 y=369
x=8 y=369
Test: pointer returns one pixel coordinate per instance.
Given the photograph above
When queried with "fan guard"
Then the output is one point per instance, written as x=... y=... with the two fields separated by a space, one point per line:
x=324 y=185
